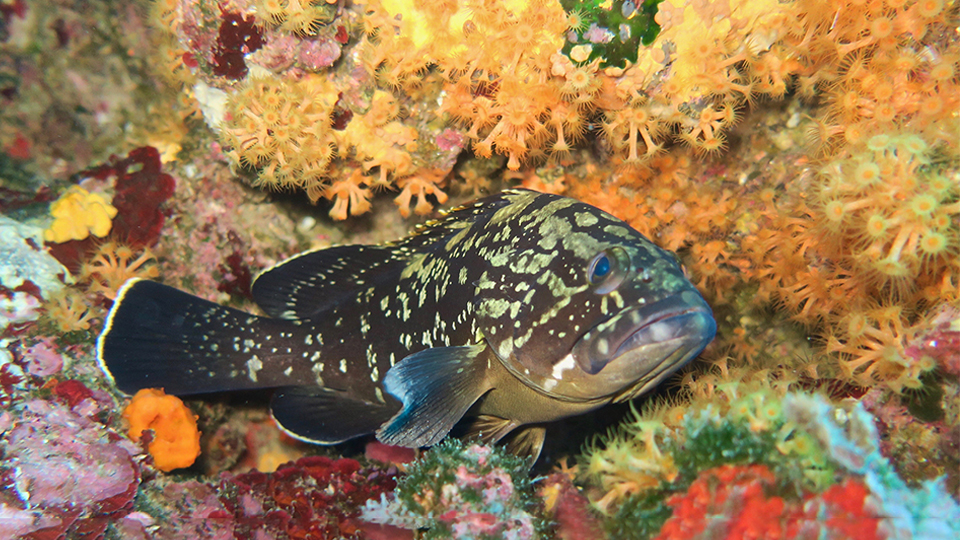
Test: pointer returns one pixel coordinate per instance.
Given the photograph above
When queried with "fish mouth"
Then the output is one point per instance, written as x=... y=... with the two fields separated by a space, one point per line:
x=641 y=346
x=694 y=325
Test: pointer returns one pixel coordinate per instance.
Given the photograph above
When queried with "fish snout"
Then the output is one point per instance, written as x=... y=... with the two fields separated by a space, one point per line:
x=644 y=343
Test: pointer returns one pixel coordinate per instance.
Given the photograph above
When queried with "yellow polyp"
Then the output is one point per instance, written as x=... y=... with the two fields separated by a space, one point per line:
x=282 y=128
x=78 y=214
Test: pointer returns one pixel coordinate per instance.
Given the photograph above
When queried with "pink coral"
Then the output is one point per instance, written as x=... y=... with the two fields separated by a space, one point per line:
x=939 y=341
x=569 y=509
x=316 y=55
x=42 y=359
x=71 y=467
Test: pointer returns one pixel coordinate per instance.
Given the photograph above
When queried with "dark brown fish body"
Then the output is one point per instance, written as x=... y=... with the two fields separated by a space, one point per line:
x=516 y=310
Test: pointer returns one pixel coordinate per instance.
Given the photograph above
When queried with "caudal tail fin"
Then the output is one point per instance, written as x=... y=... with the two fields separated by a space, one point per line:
x=160 y=337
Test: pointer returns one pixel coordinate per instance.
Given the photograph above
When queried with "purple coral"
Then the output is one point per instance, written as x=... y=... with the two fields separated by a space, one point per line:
x=316 y=55
x=598 y=34
x=79 y=473
x=939 y=341
x=42 y=358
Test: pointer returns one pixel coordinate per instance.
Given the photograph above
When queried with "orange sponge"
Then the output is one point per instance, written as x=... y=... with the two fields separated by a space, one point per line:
x=176 y=440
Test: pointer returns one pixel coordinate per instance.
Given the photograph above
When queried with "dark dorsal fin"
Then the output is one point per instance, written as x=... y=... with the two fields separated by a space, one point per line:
x=307 y=284
x=311 y=282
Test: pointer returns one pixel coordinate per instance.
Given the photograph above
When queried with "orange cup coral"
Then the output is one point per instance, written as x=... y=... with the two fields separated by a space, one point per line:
x=176 y=440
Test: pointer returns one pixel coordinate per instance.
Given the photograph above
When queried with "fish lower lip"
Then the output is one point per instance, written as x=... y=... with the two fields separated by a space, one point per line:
x=683 y=324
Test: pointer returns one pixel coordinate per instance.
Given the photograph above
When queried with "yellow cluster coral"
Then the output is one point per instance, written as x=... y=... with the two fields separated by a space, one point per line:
x=881 y=66
x=69 y=310
x=114 y=263
x=880 y=245
x=889 y=216
x=859 y=251
x=377 y=139
x=497 y=60
x=630 y=465
x=282 y=128
x=176 y=440
x=462 y=39
x=497 y=71
x=520 y=98
x=418 y=186
x=350 y=194
x=302 y=17
x=100 y=276
x=77 y=214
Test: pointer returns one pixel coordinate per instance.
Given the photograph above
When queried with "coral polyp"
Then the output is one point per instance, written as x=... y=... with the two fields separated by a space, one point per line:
x=282 y=130
x=889 y=215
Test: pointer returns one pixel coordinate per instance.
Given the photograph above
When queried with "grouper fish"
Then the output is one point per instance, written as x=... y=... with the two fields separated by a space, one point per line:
x=507 y=313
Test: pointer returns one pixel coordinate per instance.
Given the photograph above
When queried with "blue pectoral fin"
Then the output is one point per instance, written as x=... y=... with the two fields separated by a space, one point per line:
x=325 y=416
x=436 y=386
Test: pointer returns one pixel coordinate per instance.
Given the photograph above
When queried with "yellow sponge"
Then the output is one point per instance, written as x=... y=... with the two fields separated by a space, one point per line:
x=78 y=214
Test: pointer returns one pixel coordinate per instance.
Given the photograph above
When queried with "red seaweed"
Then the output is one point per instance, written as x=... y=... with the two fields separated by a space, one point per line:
x=72 y=392
x=238 y=35
x=237 y=277
x=313 y=497
x=141 y=190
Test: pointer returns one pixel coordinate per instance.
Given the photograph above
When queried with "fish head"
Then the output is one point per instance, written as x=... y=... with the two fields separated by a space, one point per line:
x=605 y=314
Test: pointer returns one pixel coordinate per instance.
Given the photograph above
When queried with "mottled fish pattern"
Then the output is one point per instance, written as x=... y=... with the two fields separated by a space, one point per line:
x=512 y=311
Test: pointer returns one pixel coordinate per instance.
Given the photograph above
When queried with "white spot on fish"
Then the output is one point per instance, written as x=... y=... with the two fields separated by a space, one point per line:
x=566 y=363
x=317 y=369
x=253 y=366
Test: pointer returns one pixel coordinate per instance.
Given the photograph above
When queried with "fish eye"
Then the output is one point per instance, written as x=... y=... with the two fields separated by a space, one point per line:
x=608 y=269
x=601 y=267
